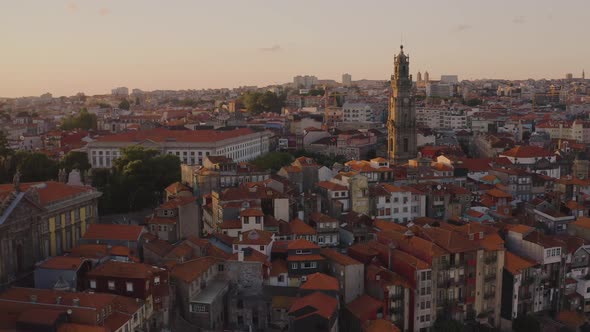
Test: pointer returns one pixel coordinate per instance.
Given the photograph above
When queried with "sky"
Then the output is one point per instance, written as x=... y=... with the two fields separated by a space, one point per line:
x=92 y=46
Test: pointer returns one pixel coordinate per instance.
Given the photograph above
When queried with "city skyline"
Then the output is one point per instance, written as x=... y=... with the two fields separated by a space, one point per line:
x=66 y=47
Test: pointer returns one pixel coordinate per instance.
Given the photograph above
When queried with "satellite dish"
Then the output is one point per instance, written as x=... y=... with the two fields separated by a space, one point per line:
x=439 y=187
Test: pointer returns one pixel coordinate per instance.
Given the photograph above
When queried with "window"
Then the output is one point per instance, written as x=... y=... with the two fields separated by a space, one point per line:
x=93 y=284
x=281 y=278
x=111 y=285
x=262 y=248
x=196 y=307
x=294 y=266
x=129 y=286
x=220 y=268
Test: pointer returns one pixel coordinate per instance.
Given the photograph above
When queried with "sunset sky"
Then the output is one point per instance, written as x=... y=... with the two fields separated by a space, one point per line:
x=65 y=47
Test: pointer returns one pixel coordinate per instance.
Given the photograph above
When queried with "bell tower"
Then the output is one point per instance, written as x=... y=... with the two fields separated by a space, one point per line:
x=401 y=122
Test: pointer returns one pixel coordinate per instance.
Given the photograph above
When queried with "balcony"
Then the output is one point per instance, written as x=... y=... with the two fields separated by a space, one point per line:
x=444 y=265
x=397 y=296
x=443 y=283
x=488 y=295
x=489 y=278
x=490 y=259
x=526 y=296
x=528 y=281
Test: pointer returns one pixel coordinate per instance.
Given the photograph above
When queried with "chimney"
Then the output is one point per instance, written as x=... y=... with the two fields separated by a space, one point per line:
x=33 y=298
x=76 y=302
x=58 y=300
x=240 y=255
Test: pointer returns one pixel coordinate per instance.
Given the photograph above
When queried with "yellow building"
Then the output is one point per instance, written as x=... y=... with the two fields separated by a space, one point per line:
x=41 y=219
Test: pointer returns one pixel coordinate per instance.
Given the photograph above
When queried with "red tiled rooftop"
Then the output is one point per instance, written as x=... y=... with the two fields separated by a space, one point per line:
x=298 y=227
x=193 y=269
x=320 y=303
x=113 y=232
x=527 y=151
x=49 y=191
x=63 y=263
x=337 y=257
x=320 y=281
x=124 y=270
x=516 y=264
x=187 y=136
x=301 y=244
x=364 y=306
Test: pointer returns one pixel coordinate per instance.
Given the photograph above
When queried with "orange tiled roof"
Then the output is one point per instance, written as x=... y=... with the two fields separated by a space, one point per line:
x=522 y=229
x=63 y=263
x=49 y=191
x=163 y=135
x=320 y=281
x=298 y=227
x=113 y=232
x=177 y=201
x=498 y=193
x=389 y=226
x=320 y=303
x=251 y=213
x=278 y=266
x=527 y=151
x=582 y=222
x=231 y=224
x=331 y=186
x=255 y=237
x=364 y=306
x=193 y=269
x=176 y=187
x=516 y=264
x=303 y=258
x=337 y=257
x=124 y=270
x=301 y=244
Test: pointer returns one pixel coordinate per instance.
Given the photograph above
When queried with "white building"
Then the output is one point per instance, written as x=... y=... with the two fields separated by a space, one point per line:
x=191 y=146
x=120 y=91
x=357 y=112
x=439 y=89
x=403 y=204
x=346 y=80
x=306 y=81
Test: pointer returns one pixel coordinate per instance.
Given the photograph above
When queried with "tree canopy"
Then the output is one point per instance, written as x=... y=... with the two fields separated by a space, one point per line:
x=124 y=104
x=273 y=160
x=136 y=181
x=33 y=166
x=83 y=120
x=259 y=102
x=75 y=160
x=448 y=325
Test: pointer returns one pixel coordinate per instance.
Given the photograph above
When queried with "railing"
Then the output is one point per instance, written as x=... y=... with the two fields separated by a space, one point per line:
x=397 y=296
x=445 y=283
x=490 y=259
x=489 y=295
x=526 y=296
x=489 y=277
x=528 y=281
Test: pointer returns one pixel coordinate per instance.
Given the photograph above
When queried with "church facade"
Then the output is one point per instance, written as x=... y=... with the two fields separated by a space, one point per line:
x=401 y=122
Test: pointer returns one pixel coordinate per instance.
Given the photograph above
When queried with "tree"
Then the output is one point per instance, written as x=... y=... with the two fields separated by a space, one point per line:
x=138 y=177
x=35 y=166
x=75 y=160
x=83 y=120
x=473 y=102
x=526 y=323
x=273 y=160
x=258 y=102
x=6 y=155
x=124 y=104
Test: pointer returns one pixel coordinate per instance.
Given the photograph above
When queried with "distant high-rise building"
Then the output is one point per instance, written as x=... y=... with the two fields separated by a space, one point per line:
x=346 y=80
x=401 y=124
x=419 y=77
x=451 y=79
x=120 y=91
x=426 y=77
x=305 y=82
x=569 y=76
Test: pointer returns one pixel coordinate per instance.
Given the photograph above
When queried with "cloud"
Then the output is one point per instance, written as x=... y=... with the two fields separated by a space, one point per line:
x=274 y=48
x=519 y=20
x=72 y=7
x=462 y=27
x=104 y=11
